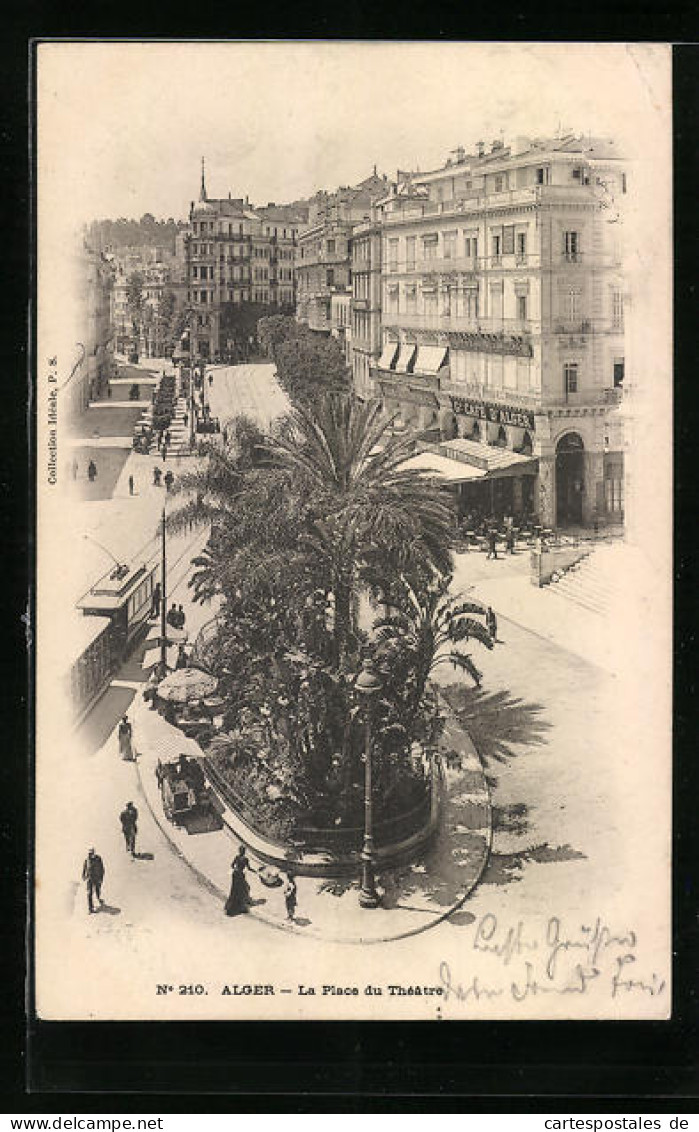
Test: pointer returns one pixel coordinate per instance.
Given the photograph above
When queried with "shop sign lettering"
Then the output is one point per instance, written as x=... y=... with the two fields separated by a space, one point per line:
x=497 y=414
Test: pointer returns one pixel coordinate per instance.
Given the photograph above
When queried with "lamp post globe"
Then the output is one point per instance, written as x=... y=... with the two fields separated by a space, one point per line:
x=367 y=685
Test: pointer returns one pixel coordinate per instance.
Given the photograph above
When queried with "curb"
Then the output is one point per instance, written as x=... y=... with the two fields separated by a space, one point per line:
x=285 y=926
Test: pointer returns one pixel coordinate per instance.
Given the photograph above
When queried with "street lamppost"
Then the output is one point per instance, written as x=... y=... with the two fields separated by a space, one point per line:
x=189 y=315
x=368 y=685
x=163 y=602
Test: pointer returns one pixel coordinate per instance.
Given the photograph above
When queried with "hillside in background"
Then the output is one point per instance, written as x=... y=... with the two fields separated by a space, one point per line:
x=123 y=233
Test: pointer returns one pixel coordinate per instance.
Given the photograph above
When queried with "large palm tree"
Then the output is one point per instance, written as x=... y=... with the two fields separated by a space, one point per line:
x=209 y=492
x=426 y=628
x=361 y=501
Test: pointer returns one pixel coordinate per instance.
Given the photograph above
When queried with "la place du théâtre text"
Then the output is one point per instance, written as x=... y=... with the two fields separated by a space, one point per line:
x=301 y=989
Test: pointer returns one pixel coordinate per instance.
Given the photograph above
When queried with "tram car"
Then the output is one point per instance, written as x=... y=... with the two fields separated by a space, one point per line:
x=182 y=787
x=125 y=596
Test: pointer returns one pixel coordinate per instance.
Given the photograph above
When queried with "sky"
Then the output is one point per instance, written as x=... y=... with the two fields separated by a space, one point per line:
x=122 y=127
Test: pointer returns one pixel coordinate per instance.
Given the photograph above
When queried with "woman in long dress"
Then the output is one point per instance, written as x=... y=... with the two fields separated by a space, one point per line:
x=239 y=896
x=125 y=747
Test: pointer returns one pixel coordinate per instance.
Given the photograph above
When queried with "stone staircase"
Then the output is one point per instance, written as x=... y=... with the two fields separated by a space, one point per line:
x=593 y=583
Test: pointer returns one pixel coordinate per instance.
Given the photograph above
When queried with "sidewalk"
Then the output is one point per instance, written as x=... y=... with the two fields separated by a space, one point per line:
x=505 y=584
x=415 y=896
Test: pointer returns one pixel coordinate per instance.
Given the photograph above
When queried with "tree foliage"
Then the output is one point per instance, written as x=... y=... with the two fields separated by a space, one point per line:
x=135 y=300
x=124 y=233
x=308 y=364
x=303 y=523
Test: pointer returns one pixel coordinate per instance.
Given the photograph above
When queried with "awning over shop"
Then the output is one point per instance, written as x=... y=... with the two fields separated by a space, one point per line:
x=388 y=355
x=404 y=358
x=494 y=461
x=442 y=468
x=430 y=359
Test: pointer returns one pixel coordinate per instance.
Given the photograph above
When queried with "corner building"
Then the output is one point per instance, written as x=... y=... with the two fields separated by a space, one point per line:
x=502 y=299
x=235 y=253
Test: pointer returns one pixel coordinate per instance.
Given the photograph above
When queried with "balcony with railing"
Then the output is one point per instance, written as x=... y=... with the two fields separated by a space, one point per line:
x=583 y=398
x=498 y=395
x=466 y=323
x=463 y=264
x=490 y=202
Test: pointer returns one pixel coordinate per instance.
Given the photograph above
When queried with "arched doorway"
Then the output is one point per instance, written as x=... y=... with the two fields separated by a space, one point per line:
x=570 y=479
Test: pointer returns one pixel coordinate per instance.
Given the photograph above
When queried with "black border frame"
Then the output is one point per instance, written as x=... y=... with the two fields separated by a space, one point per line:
x=372 y=1065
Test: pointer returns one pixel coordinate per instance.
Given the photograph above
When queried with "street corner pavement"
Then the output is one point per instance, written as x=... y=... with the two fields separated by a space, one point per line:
x=415 y=896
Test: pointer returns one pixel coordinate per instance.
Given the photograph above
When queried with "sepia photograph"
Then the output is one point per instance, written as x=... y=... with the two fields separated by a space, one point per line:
x=353 y=398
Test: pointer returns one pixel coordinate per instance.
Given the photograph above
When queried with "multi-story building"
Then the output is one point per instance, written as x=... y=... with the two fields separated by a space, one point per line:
x=365 y=304
x=503 y=323
x=341 y=320
x=235 y=254
x=88 y=331
x=323 y=259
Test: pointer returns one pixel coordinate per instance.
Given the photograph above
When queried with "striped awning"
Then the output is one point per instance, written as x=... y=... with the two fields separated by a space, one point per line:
x=430 y=359
x=405 y=357
x=388 y=355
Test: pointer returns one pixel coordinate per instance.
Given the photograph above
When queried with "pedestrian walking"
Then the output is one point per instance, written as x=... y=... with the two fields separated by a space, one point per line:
x=211 y=379
x=491 y=623
x=125 y=734
x=129 y=827
x=163 y=451
x=168 y=437
x=290 y=896
x=93 y=875
x=510 y=540
x=181 y=617
x=169 y=480
x=492 y=543
x=171 y=618
x=150 y=692
x=157 y=476
x=186 y=419
x=74 y=469
x=130 y=485
x=92 y=471
x=181 y=661
x=109 y=389
x=156 y=600
x=239 y=895
x=225 y=435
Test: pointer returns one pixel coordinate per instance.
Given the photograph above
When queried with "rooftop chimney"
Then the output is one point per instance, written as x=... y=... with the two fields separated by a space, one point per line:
x=480 y=146
x=521 y=144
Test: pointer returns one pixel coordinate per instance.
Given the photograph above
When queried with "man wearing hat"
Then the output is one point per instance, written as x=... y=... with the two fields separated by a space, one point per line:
x=128 y=818
x=93 y=875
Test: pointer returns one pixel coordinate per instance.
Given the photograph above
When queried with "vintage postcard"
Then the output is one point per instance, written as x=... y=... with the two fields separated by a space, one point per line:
x=353 y=396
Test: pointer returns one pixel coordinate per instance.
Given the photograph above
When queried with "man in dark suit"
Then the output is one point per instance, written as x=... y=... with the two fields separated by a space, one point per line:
x=93 y=875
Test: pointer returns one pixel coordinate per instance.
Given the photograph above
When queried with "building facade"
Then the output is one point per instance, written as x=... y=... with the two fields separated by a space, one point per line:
x=502 y=320
x=235 y=254
x=323 y=259
x=365 y=306
x=88 y=333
